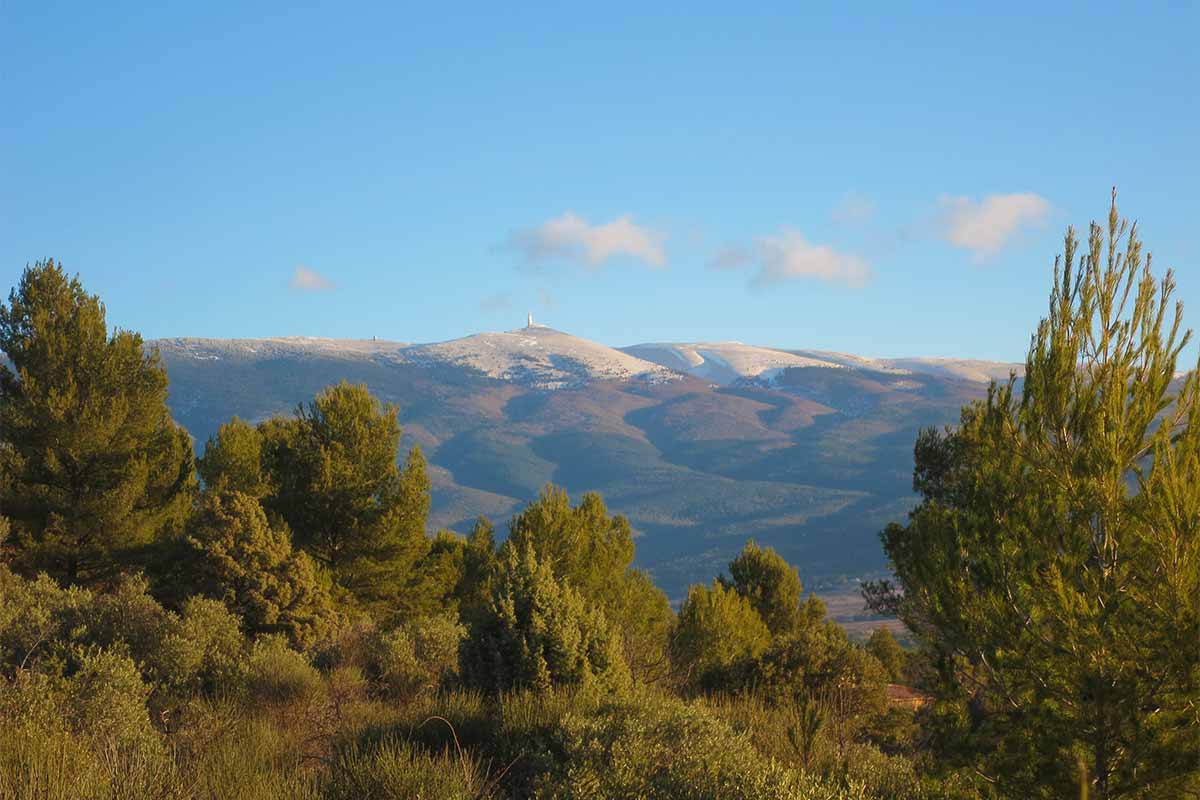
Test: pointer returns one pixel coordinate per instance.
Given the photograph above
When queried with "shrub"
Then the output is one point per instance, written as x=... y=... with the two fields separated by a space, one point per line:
x=665 y=748
x=86 y=735
x=237 y=557
x=538 y=634
x=276 y=673
x=42 y=626
x=394 y=770
x=416 y=656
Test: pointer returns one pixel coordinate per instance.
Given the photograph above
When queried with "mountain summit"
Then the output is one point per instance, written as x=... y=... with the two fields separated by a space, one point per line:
x=540 y=357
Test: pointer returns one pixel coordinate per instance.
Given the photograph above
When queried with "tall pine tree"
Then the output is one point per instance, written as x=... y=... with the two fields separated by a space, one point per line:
x=1052 y=569
x=91 y=463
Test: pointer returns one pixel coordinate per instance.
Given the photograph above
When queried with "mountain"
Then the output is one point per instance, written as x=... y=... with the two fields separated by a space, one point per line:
x=701 y=445
x=731 y=362
x=540 y=357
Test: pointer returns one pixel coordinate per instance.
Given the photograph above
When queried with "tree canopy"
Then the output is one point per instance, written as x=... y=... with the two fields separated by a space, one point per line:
x=1052 y=569
x=91 y=463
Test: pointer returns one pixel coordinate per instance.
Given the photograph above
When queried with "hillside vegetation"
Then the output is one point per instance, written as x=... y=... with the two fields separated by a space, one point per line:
x=274 y=618
x=813 y=461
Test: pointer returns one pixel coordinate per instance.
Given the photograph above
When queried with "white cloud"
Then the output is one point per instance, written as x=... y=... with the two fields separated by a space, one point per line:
x=308 y=280
x=984 y=227
x=789 y=255
x=571 y=238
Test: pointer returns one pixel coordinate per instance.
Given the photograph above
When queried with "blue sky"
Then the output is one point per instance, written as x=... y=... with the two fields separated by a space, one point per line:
x=863 y=179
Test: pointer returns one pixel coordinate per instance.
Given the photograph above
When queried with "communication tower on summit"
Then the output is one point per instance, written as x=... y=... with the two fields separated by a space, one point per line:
x=529 y=320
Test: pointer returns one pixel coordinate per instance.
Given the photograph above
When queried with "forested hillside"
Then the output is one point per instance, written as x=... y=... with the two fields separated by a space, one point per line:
x=814 y=461
x=277 y=618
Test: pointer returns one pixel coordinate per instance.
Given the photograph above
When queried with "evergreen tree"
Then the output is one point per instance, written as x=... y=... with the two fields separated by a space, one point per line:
x=771 y=585
x=479 y=566
x=540 y=633
x=884 y=647
x=1052 y=569
x=91 y=463
x=233 y=460
x=717 y=630
x=337 y=478
x=238 y=558
x=333 y=478
x=593 y=551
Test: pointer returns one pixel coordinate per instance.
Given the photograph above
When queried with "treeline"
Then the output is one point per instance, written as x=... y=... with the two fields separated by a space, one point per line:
x=273 y=620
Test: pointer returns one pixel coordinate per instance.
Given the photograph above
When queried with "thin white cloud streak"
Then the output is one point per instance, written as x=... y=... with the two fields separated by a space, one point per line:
x=985 y=227
x=308 y=280
x=788 y=256
x=570 y=238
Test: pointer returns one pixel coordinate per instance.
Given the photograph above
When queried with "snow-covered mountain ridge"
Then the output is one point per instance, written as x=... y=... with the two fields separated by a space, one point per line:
x=540 y=357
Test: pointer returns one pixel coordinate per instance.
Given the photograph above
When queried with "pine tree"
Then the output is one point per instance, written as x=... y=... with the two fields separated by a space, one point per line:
x=1052 y=569
x=332 y=476
x=336 y=472
x=233 y=460
x=540 y=633
x=771 y=585
x=884 y=647
x=92 y=464
x=717 y=630
x=593 y=551
x=237 y=557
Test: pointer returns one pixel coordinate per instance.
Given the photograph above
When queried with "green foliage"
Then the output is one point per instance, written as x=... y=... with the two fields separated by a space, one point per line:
x=233 y=460
x=395 y=770
x=278 y=674
x=884 y=647
x=45 y=628
x=593 y=552
x=91 y=464
x=634 y=750
x=771 y=585
x=540 y=633
x=716 y=630
x=336 y=483
x=86 y=735
x=814 y=663
x=473 y=590
x=207 y=651
x=238 y=558
x=1052 y=569
x=417 y=656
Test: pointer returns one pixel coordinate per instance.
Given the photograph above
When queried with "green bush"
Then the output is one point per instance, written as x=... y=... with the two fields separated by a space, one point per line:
x=276 y=673
x=665 y=748
x=211 y=643
x=394 y=770
x=539 y=633
x=416 y=656
x=85 y=735
x=236 y=556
